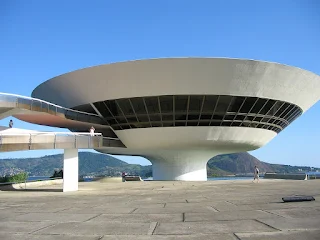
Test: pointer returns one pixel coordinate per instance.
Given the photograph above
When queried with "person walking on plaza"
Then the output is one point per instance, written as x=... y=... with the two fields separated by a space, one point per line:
x=124 y=174
x=256 y=174
x=10 y=123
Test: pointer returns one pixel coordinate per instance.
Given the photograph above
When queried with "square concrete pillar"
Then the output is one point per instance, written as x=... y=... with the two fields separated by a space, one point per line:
x=70 y=170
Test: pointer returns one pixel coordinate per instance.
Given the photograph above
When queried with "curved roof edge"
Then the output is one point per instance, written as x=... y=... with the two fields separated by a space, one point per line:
x=161 y=58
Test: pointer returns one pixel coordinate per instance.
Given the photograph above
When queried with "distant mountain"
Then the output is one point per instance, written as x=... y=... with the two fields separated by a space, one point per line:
x=239 y=163
x=243 y=163
x=105 y=165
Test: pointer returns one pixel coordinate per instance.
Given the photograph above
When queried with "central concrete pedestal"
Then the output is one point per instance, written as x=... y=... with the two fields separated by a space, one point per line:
x=183 y=166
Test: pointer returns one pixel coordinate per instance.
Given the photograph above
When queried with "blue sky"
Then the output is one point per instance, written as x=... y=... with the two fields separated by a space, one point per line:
x=42 y=39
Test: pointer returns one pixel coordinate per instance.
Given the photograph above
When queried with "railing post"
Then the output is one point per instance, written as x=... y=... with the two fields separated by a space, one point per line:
x=54 y=141
x=30 y=141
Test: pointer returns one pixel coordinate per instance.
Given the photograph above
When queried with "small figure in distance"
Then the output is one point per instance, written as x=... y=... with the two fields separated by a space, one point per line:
x=10 y=123
x=124 y=174
x=256 y=174
x=92 y=129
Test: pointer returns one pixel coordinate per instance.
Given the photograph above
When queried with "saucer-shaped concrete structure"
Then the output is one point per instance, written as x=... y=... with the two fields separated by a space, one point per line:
x=180 y=112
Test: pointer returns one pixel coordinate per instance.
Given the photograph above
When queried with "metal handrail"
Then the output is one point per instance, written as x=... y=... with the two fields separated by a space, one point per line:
x=72 y=139
x=49 y=133
x=58 y=133
x=49 y=103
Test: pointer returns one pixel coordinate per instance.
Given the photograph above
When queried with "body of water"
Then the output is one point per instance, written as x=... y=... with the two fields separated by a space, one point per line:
x=230 y=178
x=313 y=173
x=35 y=178
x=215 y=178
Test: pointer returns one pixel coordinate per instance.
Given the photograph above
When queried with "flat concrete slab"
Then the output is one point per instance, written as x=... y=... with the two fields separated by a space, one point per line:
x=226 y=215
x=98 y=228
x=226 y=206
x=225 y=210
x=177 y=209
x=212 y=227
x=52 y=217
x=6 y=236
x=297 y=212
x=6 y=214
x=293 y=223
x=119 y=237
x=286 y=235
x=22 y=227
x=138 y=218
x=100 y=210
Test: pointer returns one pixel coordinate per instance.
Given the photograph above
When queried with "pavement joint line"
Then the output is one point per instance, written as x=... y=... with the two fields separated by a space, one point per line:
x=236 y=236
x=133 y=210
x=62 y=210
x=266 y=211
x=231 y=203
x=93 y=217
x=213 y=209
x=152 y=228
x=51 y=225
x=266 y=224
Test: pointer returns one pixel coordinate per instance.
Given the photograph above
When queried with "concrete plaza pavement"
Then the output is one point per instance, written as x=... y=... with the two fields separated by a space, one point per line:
x=162 y=210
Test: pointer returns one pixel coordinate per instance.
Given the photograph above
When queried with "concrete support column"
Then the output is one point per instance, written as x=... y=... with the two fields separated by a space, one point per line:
x=183 y=166
x=70 y=170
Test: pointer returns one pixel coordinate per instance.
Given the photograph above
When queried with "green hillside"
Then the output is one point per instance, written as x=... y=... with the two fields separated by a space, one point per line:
x=243 y=163
x=44 y=166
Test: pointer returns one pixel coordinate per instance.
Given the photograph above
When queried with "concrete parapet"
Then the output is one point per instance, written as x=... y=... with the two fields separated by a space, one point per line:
x=110 y=179
x=25 y=185
x=133 y=178
x=292 y=176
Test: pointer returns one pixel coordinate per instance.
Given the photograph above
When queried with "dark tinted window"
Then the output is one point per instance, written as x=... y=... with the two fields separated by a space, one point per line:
x=181 y=103
x=258 y=105
x=198 y=110
x=236 y=104
x=223 y=104
x=209 y=103
x=166 y=103
x=248 y=104
x=195 y=103
x=152 y=104
x=138 y=106
x=125 y=106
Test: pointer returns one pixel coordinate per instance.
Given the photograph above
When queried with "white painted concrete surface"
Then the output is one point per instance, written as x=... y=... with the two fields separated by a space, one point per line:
x=181 y=153
x=70 y=170
x=185 y=165
x=223 y=139
x=174 y=76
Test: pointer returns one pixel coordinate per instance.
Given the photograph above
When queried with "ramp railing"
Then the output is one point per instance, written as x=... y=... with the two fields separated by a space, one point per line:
x=54 y=140
x=8 y=100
